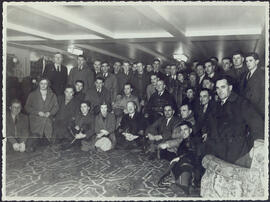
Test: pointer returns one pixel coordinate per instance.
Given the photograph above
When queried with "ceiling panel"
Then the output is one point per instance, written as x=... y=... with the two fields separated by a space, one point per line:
x=43 y=24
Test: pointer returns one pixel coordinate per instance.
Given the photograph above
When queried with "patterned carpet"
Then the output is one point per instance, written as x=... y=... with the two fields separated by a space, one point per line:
x=73 y=173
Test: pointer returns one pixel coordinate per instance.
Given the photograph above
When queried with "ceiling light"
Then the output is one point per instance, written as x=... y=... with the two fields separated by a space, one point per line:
x=181 y=57
x=74 y=50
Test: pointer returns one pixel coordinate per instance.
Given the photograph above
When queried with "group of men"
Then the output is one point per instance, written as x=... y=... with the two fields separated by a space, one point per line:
x=222 y=107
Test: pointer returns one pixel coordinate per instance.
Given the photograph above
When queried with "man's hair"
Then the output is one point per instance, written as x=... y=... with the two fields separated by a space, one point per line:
x=227 y=58
x=128 y=84
x=183 y=73
x=100 y=78
x=81 y=56
x=188 y=88
x=88 y=103
x=15 y=101
x=97 y=60
x=44 y=78
x=125 y=61
x=195 y=61
x=188 y=105
x=199 y=64
x=206 y=61
x=187 y=123
x=58 y=53
x=79 y=81
x=206 y=89
x=139 y=63
x=156 y=60
x=253 y=54
x=238 y=52
x=105 y=62
x=168 y=105
x=134 y=103
x=70 y=86
x=225 y=77
x=215 y=58
x=209 y=79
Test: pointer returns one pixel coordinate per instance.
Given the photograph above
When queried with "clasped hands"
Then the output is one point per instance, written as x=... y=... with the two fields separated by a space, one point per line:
x=154 y=137
x=80 y=135
x=102 y=133
x=129 y=136
x=19 y=147
x=44 y=114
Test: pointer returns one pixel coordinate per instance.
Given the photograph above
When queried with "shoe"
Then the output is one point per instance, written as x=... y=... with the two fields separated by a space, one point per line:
x=183 y=188
x=166 y=180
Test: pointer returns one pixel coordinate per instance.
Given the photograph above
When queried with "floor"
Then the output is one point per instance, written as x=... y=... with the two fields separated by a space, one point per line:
x=52 y=172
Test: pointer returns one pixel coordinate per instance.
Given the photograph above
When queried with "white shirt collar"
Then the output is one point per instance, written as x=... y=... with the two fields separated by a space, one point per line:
x=252 y=72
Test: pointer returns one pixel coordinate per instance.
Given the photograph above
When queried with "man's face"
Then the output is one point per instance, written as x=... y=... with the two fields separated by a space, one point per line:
x=209 y=68
x=154 y=79
x=251 y=63
x=130 y=107
x=156 y=65
x=84 y=108
x=204 y=97
x=192 y=78
x=15 y=108
x=185 y=131
x=43 y=85
x=226 y=64
x=97 y=65
x=207 y=84
x=99 y=84
x=127 y=89
x=134 y=67
x=173 y=70
x=69 y=93
x=168 y=112
x=180 y=77
x=104 y=110
x=81 y=61
x=200 y=70
x=190 y=94
x=194 y=64
x=140 y=67
x=78 y=86
x=116 y=67
x=223 y=89
x=238 y=60
x=58 y=58
x=160 y=86
x=105 y=67
x=126 y=66
x=149 y=68
x=168 y=69
x=184 y=111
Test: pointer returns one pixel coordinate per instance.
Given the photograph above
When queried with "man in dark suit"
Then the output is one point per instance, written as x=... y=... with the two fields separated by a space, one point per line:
x=83 y=73
x=156 y=69
x=154 y=108
x=210 y=70
x=253 y=83
x=98 y=95
x=131 y=129
x=161 y=131
x=57 y=74
x=123 y=76
x=96 y=68
x=233 y=126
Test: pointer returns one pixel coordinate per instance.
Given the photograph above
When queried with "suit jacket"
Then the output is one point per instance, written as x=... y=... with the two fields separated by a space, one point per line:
x=140 y=82
x=132 y=125
x=233 y=127
x=122 y=78
x=86 y=124
x=58 y=79
x=34 y=105
x=19 y=131
x=109 y=123
x=96 y=99
x=85 y=75
x=159 y=127
x=111 y=84
x=253 y=90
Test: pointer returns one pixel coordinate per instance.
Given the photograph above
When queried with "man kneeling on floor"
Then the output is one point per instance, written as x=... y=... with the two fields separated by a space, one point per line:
x=83 y=128
x=17 y=128
x=130 y=133
x=184 y=165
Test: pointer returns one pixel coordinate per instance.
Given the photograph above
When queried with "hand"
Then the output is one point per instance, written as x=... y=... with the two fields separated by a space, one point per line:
x=22 y=147
x=140 y=132
x=47 y=114
x=99 y=135
x=16 y=147
x=104 y=132
x=151 y=137
x=204 y=137
x=77 y=127
x=175 y=160
x=42 y=114
x=80 y=136
x=160 y=113
x=125 y=111
x=163 y=145
x=146 y=115
x=158 y=137
x=142 y=103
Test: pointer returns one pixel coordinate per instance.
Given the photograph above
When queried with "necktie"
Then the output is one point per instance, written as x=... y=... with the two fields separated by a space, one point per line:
x=58 y=68
x=222 y=102
x=248 y=76
x=168 y=120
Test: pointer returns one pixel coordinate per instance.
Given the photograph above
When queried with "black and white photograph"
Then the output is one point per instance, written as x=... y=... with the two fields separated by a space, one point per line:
x=135 y=100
